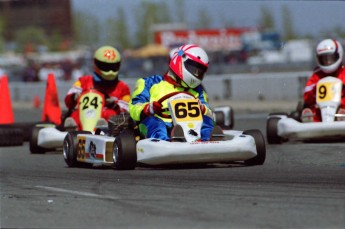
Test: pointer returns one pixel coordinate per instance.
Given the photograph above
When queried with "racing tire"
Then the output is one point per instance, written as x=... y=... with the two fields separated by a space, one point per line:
x=34 y=147
x=260 y=158
x=124 y=151
x=272 y=131
x=11 y=137
x=26 y=127
x=70 y=148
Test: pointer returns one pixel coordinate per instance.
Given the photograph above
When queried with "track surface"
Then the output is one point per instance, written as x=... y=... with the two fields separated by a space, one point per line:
x=299 y=186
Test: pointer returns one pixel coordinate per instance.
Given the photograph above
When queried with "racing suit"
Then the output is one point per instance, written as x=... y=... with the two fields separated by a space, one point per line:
x=153 y=88
x=310 y=90
x=117 y=90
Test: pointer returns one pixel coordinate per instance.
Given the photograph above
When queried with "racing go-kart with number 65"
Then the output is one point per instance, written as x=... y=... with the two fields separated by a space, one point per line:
x=122 y=145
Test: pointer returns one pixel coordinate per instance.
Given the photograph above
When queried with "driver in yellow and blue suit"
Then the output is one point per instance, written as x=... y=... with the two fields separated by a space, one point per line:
x=187 y=67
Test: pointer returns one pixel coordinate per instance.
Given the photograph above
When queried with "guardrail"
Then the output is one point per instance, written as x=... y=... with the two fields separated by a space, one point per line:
x=286 y=86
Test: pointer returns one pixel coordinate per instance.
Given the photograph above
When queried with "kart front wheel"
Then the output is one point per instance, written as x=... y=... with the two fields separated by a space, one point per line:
x=34 y=147
x=272 y=131
x=260 y=158
x=124 y=151
x=70 y=148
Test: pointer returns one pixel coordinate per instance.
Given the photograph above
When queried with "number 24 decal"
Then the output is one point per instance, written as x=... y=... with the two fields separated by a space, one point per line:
x=93 y=102
x=191 y=111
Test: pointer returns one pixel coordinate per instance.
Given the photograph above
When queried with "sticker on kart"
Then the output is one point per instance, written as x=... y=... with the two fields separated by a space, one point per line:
x=90 y=109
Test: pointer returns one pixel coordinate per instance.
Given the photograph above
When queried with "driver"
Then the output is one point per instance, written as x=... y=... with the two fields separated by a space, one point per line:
x=106 y=66
x=187 y=67
x=329 y=58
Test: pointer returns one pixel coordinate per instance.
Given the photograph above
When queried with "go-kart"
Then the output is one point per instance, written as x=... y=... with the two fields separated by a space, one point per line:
x=125 y=148
x=281 y=127
x=49 y=137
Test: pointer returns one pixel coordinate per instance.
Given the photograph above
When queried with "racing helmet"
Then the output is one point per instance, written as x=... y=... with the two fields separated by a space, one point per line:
x=189 y=63
x=329 y=55
x=107 y=60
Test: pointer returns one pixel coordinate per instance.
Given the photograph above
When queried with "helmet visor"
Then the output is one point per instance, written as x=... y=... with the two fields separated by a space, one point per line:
x=196 y=69
x=107 y=66
x=328 y=59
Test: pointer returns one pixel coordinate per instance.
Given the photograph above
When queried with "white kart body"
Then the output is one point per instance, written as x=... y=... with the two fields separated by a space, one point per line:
x=328 y=99
x=150 y=151
x=159 y=152
x=50 y=138
x=156 y=152
x=102 y=149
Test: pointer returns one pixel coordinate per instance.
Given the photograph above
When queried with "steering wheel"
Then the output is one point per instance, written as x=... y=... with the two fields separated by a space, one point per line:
x=167 y=96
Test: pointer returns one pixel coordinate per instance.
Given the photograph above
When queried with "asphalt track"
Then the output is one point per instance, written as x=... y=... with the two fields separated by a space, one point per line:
x=301 y=185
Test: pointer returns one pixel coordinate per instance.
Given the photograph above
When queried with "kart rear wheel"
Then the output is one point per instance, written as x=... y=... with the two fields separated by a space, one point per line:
x=124 y=151
x=70 y=148
x=34 y=147
x=272 y=131
x=260 y=158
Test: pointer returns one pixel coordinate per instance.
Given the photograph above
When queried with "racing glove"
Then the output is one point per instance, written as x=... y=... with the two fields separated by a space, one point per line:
x=202 y=106
x=111 y=102
x=152 y=108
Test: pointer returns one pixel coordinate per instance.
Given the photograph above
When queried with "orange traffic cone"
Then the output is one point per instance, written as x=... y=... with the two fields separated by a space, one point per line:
x=36 y=102
x=51 y=108
x=6 y=112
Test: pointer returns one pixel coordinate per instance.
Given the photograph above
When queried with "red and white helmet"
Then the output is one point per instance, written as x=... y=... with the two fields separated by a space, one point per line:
x=189 y=63
x=329 y=55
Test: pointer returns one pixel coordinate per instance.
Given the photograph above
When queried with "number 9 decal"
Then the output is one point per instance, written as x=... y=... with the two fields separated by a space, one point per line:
x=322 y=92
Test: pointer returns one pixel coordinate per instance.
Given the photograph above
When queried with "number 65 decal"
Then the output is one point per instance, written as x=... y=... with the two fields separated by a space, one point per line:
x=186 y=110
x=192 y=110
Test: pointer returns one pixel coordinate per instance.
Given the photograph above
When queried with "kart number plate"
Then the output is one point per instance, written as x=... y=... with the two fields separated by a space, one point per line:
x=186 y=110
x=328 y=91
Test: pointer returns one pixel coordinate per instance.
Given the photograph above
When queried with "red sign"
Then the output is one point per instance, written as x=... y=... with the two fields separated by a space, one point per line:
x=209 y=39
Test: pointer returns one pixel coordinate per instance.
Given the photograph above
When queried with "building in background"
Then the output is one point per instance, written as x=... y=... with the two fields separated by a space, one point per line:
x=53 y=16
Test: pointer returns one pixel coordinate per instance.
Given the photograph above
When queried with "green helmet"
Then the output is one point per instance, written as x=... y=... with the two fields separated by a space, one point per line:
x=107 y=60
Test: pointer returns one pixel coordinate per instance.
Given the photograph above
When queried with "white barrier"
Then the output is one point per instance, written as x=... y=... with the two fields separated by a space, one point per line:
x=256 y=86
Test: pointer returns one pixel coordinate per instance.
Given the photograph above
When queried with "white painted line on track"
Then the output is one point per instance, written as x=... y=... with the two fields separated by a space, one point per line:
x=79 y=193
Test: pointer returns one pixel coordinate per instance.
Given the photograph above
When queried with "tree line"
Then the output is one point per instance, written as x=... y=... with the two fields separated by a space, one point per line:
x=90 y=31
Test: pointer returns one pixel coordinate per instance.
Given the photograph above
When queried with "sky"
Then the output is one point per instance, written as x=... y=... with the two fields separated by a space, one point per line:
x=308 y=17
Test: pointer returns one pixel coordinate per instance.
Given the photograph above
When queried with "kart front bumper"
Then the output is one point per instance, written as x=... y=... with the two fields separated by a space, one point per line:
x=290 y=128
x=51 y=138
x=158 y=152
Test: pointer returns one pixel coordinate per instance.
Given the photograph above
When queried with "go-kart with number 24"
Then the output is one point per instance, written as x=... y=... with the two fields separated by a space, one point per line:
x=48 y=137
